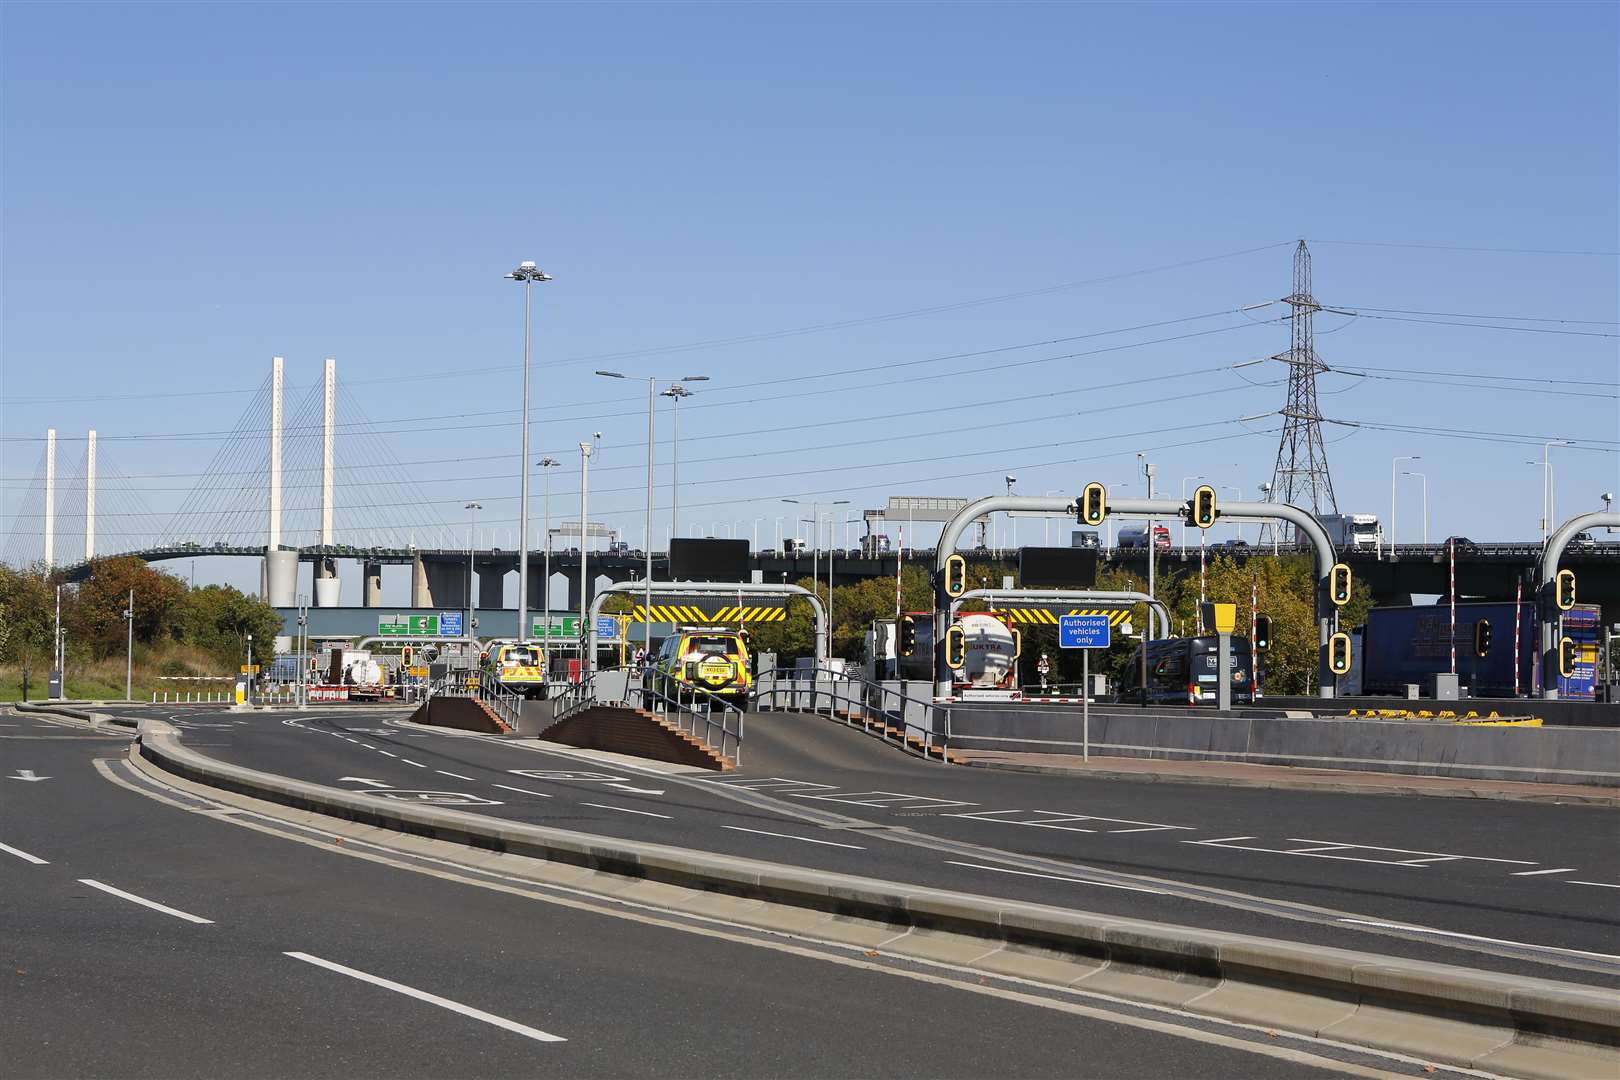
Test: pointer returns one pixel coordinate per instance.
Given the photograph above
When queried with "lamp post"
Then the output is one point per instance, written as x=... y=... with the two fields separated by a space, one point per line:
x=546 y=464
x=526 y=274
x=652 y=398
x=1425 y=478
x=1239 y=493
x=675 y=393
x=1394 y=536
x=1549 y=491
x=815 y=555
x=1265 y=496
x=251 y=675
x=129 y=647
x=585 y=662
x=472 y=509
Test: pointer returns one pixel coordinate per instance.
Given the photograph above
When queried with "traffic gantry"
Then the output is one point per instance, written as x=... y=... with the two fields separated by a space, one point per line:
x=1093 y=504
x=1203 y=506
x=1339 y=585
x=1339 y=653
x=1482 y=638
x=1564 y=590
x=955 y=576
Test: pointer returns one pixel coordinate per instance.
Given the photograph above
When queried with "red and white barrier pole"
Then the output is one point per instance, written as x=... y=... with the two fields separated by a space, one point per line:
x=1451 y=553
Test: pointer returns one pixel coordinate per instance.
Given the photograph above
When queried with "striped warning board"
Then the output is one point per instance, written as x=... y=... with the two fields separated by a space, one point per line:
x=1049 y=616
x=692 y=613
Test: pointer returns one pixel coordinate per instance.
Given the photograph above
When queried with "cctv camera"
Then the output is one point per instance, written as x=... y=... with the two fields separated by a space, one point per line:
x=596 y=434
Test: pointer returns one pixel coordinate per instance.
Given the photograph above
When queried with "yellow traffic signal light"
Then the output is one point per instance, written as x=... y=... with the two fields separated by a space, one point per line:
x=1093 y=504
x=1482 y=638
x=1339 y=585
x=1564 y=590
x=1262 y=633
x=1566 y=657
x=1339 y=654
x=955 y=576
x=905 y=636
x=1203 y=506
x=955 y=648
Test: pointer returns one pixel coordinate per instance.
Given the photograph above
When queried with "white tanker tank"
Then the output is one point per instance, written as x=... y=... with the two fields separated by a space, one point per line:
x=990 y=662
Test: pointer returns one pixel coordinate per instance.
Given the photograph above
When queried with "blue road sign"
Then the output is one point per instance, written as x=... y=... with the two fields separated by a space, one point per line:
x=450 y=623
x=607 y=628
x=1084 y=632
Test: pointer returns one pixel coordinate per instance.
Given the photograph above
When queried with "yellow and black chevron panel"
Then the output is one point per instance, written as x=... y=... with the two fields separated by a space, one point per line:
x=692 y=614
x=1037 y=616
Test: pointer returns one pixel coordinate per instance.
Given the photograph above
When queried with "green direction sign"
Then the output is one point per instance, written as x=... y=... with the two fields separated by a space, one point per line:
x=562 y=628
x=408 y=626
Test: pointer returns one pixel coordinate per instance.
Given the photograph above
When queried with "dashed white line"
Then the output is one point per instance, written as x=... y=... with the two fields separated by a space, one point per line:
x=385 y=753
x=23 y=855
x=626 y=810
x=790 y=836
x=524 y=791
x=457 y=775
x=431 y=999
x=408 y=761
x=153 y=904
x=1053 y=877
x=1538 y=873
x=1599 y=884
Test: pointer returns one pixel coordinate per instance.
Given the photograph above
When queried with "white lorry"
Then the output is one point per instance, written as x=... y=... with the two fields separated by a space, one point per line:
x=1353 y=532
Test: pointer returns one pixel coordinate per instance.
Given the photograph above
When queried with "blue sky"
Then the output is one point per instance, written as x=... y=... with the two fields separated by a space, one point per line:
x=190 y=189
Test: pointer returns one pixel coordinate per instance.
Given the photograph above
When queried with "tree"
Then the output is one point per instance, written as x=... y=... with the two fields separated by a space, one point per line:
x=218 y=620
x=95 y=616
x=27 y=615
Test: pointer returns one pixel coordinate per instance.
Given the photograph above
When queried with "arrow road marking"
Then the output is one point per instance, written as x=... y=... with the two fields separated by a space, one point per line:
x=362 y=780
x=27 y=774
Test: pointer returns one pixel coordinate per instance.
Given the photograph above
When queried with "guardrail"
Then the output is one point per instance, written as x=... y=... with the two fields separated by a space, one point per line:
x=854 y=699
x=483 y=686
x=689 y=708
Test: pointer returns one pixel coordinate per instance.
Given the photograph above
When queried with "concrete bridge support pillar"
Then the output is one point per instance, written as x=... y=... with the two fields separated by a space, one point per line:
x=538 y=585
x=446 y=584
x=491 y=587
x=421 y=594
x=372 y=573
x=575 y=601
x=281 y=578
x=328 y=585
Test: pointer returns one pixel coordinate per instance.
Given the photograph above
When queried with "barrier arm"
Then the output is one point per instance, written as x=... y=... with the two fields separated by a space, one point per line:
x=1546 y=571
x=702 y=588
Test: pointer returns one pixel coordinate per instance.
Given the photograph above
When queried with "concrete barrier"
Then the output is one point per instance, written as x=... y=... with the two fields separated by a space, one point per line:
x=1503 y=1024
x=1565 y=755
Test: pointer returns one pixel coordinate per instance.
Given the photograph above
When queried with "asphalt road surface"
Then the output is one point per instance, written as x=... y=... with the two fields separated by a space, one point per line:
x=1513 y=886
x=149 y=934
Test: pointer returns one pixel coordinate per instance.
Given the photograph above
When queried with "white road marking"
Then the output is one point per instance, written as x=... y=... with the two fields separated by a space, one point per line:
x=431 y=999
x=887 y=800
x=27 y=774
x=153 y=904
x=638 y=790
x=1065 y=822
x=1538 y=873
x=385 y=753
x=408 y=761
x=1053 y=877
x=790 y=836
x=362 y=780
x=1405 y=851
x=1599 y=884
x=1476 y=937
x=625 y=810
x=23 y=855
x=457 y=775
x=525 y=791
x=1218 y=840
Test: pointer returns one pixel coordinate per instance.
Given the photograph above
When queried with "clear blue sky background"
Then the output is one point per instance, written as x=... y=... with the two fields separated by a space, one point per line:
x=191 y=189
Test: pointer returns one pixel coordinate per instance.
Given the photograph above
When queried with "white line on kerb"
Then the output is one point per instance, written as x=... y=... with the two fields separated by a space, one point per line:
x=23 y=855
x=524 y=791
x=790 y=836
x=457 y=775
x=431 y=999
x=141 y=900
x=1538 y=873
x=408 y=761
x=625 y=810
x=1053 y=877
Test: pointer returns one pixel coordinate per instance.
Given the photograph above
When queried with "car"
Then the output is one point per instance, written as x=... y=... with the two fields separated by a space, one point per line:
x=1462 y=545
x=1583 y=540
x=714 y=660
x=1234 y=546
x=517 y=667
x=1086 y=539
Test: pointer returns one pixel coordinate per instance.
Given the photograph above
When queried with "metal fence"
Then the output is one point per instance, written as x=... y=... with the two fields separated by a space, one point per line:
x=712 y=720
x=482 y=686
x=914 y=724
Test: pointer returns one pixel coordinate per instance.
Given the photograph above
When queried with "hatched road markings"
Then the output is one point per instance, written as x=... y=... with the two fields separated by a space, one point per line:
x=432 y=999
x=1052 y=819
x=887 y=800
x=1328 y=849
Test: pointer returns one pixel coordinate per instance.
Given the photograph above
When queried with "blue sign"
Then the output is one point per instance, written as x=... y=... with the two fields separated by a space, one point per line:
x=607 y=628
x=1084 y=632
x=450 y=624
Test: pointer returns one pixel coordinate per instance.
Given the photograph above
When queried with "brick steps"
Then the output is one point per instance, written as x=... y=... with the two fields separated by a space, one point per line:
x=625 y=729
x=878 y=726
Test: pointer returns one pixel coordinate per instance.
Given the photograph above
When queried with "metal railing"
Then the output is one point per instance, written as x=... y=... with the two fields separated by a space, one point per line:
x=916 y=725
x=712 y=720
x=482 y=686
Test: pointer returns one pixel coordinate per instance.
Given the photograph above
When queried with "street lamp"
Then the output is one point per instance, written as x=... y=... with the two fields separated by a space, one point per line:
x=527 y=274
x=472 y=509
x=1265 y=496
x=129 y=647
x=586 y=661
x=546 y=464
x=675 y=393
x=1423 y=477
x=1394 y=536
x=815 y=554
x=1549 y=492
x=252 y=676
x=652 y=398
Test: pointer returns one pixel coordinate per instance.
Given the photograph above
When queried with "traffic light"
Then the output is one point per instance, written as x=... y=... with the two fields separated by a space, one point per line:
x=405 y=656
x=1566 y=657
x=1339 y=584
x=955 y=576
x=1482 y=638
x=955 y=648
x=1018 y=642
x=1093 y=504
x=905 y=636
x=1339 y=653
x=1203 y=506
x=1564 y=590
x=1262 y=633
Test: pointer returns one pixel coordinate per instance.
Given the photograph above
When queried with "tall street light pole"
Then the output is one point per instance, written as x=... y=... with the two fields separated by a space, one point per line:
x=546 y=464
x=675 y=393
x=1425 y=478
x=585 y=662
x=652 y=400
x=527 y=274
x=129 y=648
x=472 y=509
x=1394 y=536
